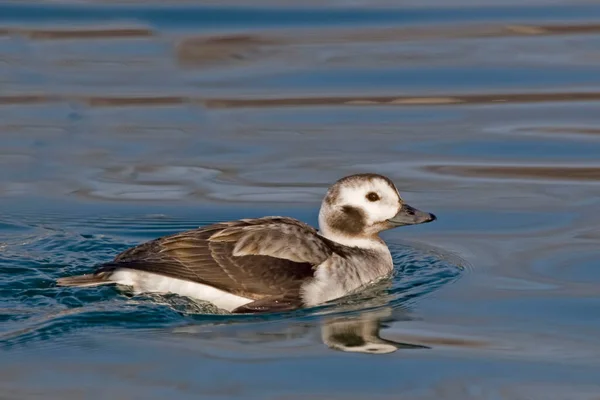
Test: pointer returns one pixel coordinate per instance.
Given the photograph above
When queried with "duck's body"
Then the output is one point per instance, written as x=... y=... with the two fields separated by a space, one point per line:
x=271 y=263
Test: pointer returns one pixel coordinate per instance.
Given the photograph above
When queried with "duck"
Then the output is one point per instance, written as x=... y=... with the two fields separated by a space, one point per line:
x=273 y=263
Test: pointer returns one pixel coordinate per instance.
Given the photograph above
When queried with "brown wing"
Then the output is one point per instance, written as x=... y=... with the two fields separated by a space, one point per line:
x=255 y=258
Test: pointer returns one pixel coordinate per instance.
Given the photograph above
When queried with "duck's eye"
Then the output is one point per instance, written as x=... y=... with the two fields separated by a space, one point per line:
x=372 y=196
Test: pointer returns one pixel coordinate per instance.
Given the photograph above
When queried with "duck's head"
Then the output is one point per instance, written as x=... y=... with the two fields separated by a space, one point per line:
x=360 y=206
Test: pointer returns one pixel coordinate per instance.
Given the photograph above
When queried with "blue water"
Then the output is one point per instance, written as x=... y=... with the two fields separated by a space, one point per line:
x=121 y=123
x=179 y=16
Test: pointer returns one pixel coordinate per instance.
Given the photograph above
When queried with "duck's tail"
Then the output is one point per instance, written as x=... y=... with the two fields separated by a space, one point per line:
x=86 y=280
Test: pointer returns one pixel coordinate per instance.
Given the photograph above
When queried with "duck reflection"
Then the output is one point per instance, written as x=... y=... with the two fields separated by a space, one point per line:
x=355 y=332
x=361 y=334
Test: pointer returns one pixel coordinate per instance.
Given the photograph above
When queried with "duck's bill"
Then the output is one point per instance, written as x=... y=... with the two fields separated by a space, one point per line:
x=411 y=216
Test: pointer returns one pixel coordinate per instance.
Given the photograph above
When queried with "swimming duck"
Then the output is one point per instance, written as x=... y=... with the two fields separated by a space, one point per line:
x=272 y=263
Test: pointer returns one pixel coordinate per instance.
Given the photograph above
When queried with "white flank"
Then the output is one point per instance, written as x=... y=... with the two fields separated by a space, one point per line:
x=153 y=283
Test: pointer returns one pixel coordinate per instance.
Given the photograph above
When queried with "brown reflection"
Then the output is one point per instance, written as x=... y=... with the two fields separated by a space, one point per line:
x=198 y=48
x=473 y=31
x=567 y=130
x=122 y=101
x=226 y=49
x=530 y=172
x=28 y=99
x=78 y=33
x=405 y=100
x=133 y=101
x=219 y=50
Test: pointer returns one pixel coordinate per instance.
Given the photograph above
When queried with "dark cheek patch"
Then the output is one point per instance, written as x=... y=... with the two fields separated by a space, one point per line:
x=349 y=220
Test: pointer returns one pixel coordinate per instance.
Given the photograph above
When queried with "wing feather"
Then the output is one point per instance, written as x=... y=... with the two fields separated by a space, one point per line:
x=287 y=241
x=256 y=258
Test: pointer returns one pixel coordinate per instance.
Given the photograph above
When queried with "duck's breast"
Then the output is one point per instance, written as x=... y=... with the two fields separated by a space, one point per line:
x=339 y=276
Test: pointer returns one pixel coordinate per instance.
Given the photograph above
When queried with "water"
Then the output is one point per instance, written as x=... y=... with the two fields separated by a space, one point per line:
x=122 y=122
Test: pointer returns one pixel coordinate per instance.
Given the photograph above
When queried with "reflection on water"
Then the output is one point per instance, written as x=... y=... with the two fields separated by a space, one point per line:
x=121 y=122
x=358 y=332
x=361 y=334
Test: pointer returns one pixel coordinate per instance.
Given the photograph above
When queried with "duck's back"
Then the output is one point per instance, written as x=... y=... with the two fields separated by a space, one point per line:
x=264 y=259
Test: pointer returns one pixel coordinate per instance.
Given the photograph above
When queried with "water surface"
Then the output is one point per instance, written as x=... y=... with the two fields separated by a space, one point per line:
x=122 y=122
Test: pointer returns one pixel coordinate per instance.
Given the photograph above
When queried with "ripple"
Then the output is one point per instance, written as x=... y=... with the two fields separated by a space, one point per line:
x=570 y=132
x=571 y=264
x=522 y=149
x=565 y=173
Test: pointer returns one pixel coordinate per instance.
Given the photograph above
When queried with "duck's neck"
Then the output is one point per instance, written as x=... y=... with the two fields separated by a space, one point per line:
x=383 y=262
x=364 y=242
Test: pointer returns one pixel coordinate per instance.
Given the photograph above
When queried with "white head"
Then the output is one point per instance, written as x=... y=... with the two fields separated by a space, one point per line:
x=360 y=206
